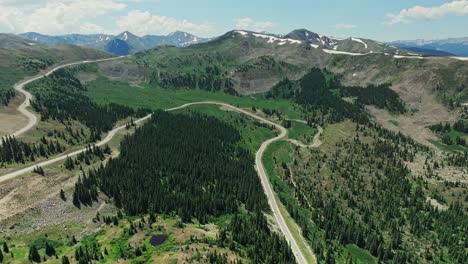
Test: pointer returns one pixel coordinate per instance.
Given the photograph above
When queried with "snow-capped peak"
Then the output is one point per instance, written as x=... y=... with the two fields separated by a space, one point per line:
x=125 y=36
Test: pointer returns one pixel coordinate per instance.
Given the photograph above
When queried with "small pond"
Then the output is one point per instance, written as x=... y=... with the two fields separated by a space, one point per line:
x=157 y=240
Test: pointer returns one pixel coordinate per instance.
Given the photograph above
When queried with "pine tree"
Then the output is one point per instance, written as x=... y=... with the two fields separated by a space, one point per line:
x=69 y=164
x=34 y=254
x=5 y=248
x=62 y=195
x=65 y=260
x=49 y=249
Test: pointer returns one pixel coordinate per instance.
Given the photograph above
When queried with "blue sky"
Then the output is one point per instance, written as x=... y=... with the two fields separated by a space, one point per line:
x=380 y=20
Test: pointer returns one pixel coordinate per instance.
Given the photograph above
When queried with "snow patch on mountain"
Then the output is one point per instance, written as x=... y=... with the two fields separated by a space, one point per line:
x=407 y=57
x=360 y=41
x=343 y=52
x=243 y=33
x=314 y=46
x=272 y=39
x=125 y=36
x=461 y=58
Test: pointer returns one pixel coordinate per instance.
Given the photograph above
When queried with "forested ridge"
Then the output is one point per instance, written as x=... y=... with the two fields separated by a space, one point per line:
x=362 y=192
x=320 y=92
x=190 y=164
x=187 y=71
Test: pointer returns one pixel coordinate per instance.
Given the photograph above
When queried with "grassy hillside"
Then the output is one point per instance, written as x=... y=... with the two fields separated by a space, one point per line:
x=20 y=58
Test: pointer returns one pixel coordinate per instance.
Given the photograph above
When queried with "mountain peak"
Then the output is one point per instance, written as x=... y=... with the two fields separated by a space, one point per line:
x=180 y=34
x=126 y=35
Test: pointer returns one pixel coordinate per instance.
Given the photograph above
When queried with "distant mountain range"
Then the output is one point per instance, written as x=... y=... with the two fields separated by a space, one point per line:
x=121 y=44
x=451 y=46
x=326 y=44
x=126 y=42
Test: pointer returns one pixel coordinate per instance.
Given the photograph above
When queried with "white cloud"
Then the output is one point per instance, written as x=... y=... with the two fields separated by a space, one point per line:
x=143 y=22
x=90 y=28
x=55 y=17
x=249 y=23
x=419 y=12
x=340 y=26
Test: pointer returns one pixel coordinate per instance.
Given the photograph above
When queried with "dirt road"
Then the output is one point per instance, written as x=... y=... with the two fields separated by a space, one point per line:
x=23 y=108
x=258 y=166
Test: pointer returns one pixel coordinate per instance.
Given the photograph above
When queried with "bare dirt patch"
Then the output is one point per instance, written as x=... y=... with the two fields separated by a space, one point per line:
x=85 y=77
x=119 y=70
x=10 y=119
x=414 y=126
x=32 y=202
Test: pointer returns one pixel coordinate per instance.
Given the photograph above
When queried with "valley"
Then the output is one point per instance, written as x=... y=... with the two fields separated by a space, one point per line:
x=294 y=145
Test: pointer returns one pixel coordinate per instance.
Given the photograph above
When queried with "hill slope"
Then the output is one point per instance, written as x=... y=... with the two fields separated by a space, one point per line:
x=20 y=58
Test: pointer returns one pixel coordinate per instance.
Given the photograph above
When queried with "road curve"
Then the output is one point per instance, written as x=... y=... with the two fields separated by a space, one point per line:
x=258 y=166
x=316 y=142
x=32 y=119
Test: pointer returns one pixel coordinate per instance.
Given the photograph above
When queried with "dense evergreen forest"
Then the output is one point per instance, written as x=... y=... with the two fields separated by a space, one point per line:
x=192 y=165
x=322 y=105
x=210 y=80
x=319 y=92
x=381 y=96
x=59 y=96
x=285 y=89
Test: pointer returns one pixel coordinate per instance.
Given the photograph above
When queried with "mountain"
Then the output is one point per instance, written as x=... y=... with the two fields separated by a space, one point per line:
x=329 y=44
x=117 y=47
x=76 y=39
x=113 y=44
x=456 y=46
x=247 y=62
x=182 y=39
x=12 y=41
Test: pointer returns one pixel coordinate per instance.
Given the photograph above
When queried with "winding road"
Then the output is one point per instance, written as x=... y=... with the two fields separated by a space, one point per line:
x=23 y=108
x=258 y=156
